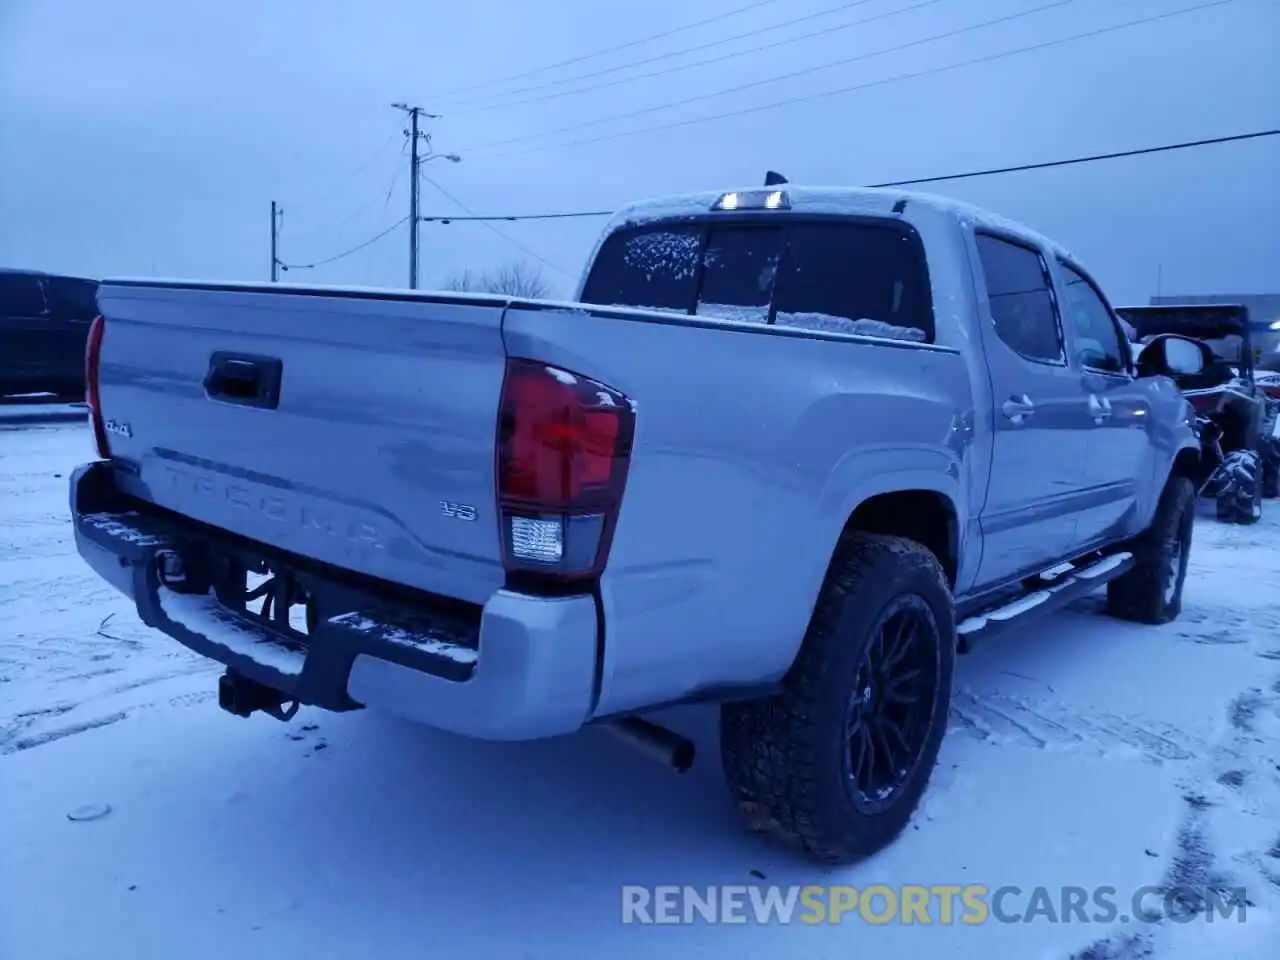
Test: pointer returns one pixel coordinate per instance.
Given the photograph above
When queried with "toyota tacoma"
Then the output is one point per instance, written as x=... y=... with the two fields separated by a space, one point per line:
x=789 y=450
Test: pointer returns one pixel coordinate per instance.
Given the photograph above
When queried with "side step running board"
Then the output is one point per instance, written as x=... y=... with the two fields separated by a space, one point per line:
x=1062 y=584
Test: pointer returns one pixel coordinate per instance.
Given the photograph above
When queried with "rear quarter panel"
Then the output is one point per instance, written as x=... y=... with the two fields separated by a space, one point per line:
x=752 y=449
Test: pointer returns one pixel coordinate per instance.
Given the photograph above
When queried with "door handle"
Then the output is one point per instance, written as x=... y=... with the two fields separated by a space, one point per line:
x=1018 y=409
x=250 y=381
x=1099 y=408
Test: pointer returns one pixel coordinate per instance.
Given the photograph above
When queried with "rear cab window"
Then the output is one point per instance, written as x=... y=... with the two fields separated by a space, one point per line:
x=652 y=267
x=851 y=278
x=835 y=274
x=739 y=270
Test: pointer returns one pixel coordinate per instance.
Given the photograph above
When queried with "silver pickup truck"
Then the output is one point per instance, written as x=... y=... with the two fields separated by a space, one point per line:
x=789 y=451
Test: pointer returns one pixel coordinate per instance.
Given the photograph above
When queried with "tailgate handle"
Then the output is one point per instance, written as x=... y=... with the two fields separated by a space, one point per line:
x=248 y=380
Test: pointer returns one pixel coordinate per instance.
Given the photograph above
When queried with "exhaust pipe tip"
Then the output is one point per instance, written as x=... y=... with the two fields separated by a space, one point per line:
x=673 y=750
x=682 y=757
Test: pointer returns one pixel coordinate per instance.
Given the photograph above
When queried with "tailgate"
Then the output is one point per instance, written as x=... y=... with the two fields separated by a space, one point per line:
x=377 y=454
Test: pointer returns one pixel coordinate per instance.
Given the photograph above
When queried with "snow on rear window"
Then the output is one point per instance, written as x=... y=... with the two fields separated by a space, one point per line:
x=858 y=278
x=734 y=313
x=739 y=269
x=849 y=276
x=655 y=268
x=663 y=252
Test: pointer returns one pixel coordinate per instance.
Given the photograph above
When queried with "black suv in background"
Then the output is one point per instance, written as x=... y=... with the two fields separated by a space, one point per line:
x=44 y=323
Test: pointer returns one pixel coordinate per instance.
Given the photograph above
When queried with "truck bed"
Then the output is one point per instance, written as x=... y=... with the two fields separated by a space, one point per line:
x=752 y=445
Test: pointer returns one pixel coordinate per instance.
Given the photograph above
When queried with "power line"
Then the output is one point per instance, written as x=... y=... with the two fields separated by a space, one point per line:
x=518 y=216
x=346 y=253
x=968 y=175
x=359 y=169
x=485 y=222
x=330 y=227
x=1144 y=151
x=489 y=103
x=884 y=81
x=614 y=49
x=765 y=81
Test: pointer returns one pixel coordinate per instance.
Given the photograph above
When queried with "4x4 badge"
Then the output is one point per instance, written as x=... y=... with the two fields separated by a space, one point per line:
x=119 y=427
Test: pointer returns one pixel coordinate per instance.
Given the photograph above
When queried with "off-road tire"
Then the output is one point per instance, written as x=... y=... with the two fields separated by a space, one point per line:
x=1239 y=495
x=784 y=755
x=1140 y=594
x=1269 y=455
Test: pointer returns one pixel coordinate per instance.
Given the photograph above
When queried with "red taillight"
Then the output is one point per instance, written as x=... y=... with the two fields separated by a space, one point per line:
x=564 y=446
x=92 y=361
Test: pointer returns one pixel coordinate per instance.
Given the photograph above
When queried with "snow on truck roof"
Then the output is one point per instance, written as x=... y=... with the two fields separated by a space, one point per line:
x=852 y=201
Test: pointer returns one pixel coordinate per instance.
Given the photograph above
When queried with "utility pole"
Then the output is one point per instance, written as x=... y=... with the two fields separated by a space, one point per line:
x=277 y=215
x=413 y=198
x=416 y=160
x=415 y=136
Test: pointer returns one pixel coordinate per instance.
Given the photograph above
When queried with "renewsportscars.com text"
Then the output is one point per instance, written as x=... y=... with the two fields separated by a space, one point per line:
x=945 y=904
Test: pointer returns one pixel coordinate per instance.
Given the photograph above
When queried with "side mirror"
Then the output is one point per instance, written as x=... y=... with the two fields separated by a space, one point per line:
x=1172 y=356
x=1184 y=356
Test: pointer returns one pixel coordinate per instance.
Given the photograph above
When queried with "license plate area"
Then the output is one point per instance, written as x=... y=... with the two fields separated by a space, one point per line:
x=270 y=595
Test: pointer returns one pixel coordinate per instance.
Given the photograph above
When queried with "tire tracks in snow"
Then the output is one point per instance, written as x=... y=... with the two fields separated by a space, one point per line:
x=1046 y=724
x=1226 y=626
x=37 y=727
x=1228 y=845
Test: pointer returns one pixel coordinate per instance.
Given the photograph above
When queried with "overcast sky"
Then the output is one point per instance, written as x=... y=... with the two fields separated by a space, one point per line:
x=142 y=137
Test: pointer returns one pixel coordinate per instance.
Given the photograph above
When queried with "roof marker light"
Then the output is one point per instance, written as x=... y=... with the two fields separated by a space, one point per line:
x=753 y=200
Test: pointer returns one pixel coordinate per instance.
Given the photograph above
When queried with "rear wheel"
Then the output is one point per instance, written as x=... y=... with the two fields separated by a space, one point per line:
x=838 y=761
x=1239 y=494
x=1151 y=592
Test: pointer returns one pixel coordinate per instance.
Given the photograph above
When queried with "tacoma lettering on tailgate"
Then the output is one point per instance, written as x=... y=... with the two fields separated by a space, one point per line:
x=278 y=510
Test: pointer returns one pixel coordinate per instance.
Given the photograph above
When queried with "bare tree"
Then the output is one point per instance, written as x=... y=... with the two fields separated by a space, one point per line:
x=515 y=279
x=464 y=281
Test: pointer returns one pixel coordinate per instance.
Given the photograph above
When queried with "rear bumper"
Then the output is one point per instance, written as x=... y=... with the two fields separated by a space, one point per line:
x=522 y=667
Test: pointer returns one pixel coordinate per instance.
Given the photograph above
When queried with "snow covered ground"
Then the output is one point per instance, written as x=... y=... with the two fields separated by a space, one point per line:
x=138 y=821
x=39 y=409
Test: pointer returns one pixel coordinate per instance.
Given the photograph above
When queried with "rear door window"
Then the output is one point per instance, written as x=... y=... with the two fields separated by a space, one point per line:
x=855 y=278
x=21 y=295
x=1021 y=298
x=651 y=267
x=739 y=268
